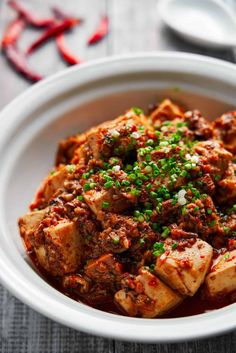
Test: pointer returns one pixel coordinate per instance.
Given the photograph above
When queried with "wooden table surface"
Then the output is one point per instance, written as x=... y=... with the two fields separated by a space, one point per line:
x=135 y=27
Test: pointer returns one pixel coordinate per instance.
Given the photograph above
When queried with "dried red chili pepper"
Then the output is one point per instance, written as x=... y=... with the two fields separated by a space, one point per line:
x=52 y=32
x=29 y=16
x=101 y=31
x=19 y=62
x=65 y=52
x=13 y=32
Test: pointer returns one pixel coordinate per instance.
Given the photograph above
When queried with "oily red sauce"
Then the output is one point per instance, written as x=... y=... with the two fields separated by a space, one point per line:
x=198 y=304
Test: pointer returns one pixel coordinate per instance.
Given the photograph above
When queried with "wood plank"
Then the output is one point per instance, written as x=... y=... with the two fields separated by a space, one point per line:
x=222 y=344
x=135 y=26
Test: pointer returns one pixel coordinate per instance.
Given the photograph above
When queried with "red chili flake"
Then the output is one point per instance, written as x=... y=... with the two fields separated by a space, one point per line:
x=101 y=31
x=186 y=263
x=65 y=52
x=13 y=32
x=51 y=32
x=230 y=259
x=19 y=62
x=29 y=16
x=151 y=135
x=152 y=282
x=139 y=288
x=231 y=244
x=133 y=128
x=131 y=283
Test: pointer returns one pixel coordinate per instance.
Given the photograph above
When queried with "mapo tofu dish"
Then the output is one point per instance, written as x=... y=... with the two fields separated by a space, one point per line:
x=138 y=216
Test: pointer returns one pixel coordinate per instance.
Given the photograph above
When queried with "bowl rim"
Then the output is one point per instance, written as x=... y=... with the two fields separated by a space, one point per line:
x=89 y=319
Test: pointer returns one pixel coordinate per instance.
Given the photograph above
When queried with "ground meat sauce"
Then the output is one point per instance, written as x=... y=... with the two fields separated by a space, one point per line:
x=138 y=216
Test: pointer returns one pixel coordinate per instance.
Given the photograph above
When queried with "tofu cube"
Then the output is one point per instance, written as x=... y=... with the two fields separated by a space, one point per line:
x=28 y=224
x=50 y=186
x=166 y=110
x=150 y=298
x=53 y=183
x=60 y=250
x=184 y=270
x=105 y=269
x=102 y=139
x=117 y=201
x=222 y=277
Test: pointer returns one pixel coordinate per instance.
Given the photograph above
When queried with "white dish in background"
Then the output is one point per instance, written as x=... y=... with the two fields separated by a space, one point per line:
x=208 y=23
x=79 y=97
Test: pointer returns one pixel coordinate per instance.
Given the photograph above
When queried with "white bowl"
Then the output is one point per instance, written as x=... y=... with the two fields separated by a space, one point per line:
x=32 y=125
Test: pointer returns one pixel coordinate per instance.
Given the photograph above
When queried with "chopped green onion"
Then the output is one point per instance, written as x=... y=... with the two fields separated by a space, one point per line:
x=141 y=218
x=86 y=187
x=174 y=246
x=117 y=184
x=153 y=194
x=226 y=229
x=70 y=168
x=134 y=192
x=184 y=210
x=137 y=110
x=217 y=177
x=105 y=205
x=132 y=176
x=166 y=123
x=212 y=223
x=227 y=256
x=165 y=232
x=80 y=197
x=149 y=212
x=116 y=239
x=108 y=184
x=139 y=182
x=158 y=249
x=125 y=182
x=152 y=268
x=85 y=175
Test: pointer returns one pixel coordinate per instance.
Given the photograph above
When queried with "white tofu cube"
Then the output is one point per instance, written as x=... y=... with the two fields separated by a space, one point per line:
x=150 y=298
x=117 y=202
x=222 y=277
x=28 y=223
x=60 y=250
x=185 y=270
x=52 y=184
